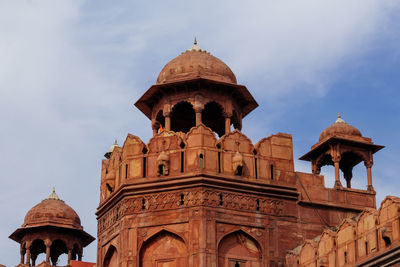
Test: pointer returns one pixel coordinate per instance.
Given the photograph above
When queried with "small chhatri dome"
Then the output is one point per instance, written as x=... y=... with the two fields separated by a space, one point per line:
x=196 y=63
x=52 y=211
x=340 y=127
x=113 y=146
x=108 y=154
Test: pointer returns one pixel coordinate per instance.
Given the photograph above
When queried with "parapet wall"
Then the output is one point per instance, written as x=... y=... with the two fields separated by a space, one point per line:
x=199 y=151
x=357 y=241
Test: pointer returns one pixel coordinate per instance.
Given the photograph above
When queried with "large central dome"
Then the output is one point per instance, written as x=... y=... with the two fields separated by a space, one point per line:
x=196 y=63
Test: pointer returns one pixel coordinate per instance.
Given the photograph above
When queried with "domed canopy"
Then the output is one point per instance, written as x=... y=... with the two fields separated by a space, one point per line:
x=194 y=72
x=52 y=211
x=339 y=128
x=196 y=63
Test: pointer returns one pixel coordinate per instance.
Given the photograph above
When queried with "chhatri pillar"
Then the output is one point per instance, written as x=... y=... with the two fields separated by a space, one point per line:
x=342 y=146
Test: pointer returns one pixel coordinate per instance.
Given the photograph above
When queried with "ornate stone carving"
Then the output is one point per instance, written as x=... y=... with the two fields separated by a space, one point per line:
x=173 y=200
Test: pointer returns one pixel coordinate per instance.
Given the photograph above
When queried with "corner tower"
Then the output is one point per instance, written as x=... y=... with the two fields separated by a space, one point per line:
x=201 y=194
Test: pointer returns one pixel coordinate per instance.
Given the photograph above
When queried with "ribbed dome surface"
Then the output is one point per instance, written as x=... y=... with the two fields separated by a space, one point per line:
x=339 y=128
x=196 y=63
x=52 y=212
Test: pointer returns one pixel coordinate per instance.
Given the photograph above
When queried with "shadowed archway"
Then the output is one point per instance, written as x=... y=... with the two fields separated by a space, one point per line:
x=164 y=249
x=238 y=249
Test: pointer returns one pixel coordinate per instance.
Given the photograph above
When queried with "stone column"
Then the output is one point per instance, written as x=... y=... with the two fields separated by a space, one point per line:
x=48 y=245
x=198 y=107
x=368 y=165
x=347 y=173
x=28 y=257
x=336 y=160
x=154 y=127
x=22 y=253
x=227 y=122
x=34 y=257
x=69 y=255
x=167 y=116
x=198 y=111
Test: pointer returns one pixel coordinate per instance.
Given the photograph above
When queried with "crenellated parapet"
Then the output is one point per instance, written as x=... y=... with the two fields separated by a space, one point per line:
x=171 y=154
x=370 y=239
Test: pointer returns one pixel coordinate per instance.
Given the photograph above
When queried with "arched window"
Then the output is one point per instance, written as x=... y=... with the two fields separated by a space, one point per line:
x=160 y=120
x=236 y=121
x=183 y=117
x=37 y=248
x=239 y=170
x=110 y=260
x=387 y=240
x=164 y=249
x=239 y=249
x=201 y=161
x=58 y=248
x=212 y=117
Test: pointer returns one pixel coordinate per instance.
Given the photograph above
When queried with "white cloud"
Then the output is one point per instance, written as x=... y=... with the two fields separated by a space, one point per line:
x=70 y=71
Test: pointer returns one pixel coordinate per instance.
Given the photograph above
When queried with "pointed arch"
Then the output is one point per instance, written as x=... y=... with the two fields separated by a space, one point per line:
x=183 y=117
x=164 y=247
x=238 y=248
x=111 y=257
x=212 y=117
x=57 y=248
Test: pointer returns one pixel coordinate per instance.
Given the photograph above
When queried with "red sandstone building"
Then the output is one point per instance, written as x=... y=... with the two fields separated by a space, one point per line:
x=201 y=193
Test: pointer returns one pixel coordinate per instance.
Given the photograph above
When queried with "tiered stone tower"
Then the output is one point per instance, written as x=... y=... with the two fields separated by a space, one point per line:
x=199 y=194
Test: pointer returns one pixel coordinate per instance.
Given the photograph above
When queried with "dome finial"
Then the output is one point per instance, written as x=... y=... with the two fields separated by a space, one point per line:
x=53 y=195
x=339 y=118
x=195 y=47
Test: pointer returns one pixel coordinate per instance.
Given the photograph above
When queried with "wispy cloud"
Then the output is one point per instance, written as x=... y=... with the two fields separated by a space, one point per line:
x=71 y=70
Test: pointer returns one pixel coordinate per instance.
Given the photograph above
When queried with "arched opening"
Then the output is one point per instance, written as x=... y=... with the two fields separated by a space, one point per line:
x=212 y=117
x=76 y=252
x=236 y=121
x=239 y=170
x=349 y=165
x=38 y=251
x=239 y=249
x=183 y=117
x=58 y=248
x=110 y=260
x=164 y=249
x=327 y=172
x=160 y=121
x=201 y=161
x=387 y=240
x=161 y=169
x=109 y=188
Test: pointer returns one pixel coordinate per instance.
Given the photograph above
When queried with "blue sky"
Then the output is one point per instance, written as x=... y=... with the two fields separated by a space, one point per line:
x=70 y=72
